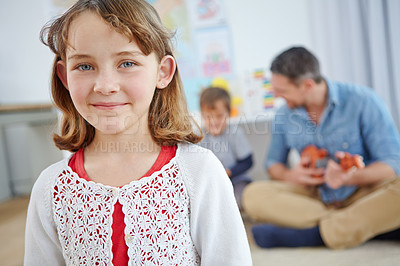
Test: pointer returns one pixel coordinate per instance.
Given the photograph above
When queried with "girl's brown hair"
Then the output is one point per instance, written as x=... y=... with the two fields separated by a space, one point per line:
x=169 y=119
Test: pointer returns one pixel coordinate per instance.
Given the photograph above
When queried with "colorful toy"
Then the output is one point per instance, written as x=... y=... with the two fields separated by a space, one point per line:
x=236 y=101
x=319 y=159
x=348 y=161
x=220 y=82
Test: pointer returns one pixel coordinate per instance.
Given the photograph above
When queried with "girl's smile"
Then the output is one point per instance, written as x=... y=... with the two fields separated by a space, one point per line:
x=108 y=106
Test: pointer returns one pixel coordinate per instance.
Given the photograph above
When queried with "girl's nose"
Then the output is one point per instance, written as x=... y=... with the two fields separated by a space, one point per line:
x=106 y=84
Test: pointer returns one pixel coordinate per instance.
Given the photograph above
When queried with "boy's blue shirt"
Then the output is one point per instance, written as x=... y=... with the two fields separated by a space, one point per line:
x=355 y=120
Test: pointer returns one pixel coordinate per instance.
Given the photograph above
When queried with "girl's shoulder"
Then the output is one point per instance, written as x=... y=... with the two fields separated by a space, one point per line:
x=192 y=158
x=199 y=166
x=184 y=147
x=194 y=153
x=48 y=176
x=43 y=187
x=55 y=169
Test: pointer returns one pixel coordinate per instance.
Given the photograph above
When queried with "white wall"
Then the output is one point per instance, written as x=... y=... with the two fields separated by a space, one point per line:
x=263 y=28
x=24 y=61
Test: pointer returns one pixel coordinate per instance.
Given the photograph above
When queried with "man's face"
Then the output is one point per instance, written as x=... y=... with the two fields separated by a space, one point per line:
x=283 y=87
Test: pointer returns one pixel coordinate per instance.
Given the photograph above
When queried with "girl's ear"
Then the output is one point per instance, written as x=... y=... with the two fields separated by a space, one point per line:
x=166 y=72
x=62 y=73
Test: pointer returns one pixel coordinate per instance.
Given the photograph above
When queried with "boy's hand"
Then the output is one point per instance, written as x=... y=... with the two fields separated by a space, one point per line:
x=228 y=172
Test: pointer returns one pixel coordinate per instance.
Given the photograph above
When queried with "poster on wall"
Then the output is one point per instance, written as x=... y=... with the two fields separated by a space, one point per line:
x=174 y=16
x=206 y=13
x=214 y=51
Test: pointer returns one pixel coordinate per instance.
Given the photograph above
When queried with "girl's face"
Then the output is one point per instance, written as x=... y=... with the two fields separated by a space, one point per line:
x=110 y=80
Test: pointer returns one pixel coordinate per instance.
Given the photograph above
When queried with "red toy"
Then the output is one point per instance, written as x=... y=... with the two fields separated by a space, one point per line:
x=319 y=159
x=348 y=161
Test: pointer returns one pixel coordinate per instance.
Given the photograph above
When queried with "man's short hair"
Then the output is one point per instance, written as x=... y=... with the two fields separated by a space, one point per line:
x=297 y=63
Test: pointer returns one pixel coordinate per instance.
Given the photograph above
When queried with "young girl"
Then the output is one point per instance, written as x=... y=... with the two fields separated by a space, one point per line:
x=136 y=191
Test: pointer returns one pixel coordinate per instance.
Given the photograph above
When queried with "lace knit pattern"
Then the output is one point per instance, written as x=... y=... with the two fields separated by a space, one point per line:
x=156 y=212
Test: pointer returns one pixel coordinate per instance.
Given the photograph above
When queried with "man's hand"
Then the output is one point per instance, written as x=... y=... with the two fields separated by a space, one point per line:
x=337 y=175
x=304 y=176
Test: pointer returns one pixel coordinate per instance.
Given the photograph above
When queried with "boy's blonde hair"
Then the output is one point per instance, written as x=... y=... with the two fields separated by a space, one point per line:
x=169 y=119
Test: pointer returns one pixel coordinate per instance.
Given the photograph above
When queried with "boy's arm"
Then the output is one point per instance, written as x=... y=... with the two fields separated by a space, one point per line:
x=241 y=166
x=242 y=150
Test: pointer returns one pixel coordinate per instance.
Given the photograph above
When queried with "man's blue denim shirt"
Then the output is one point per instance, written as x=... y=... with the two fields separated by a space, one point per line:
x=355 y=120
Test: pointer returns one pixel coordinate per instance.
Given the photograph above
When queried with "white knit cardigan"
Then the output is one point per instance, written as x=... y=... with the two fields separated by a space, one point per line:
x=200 y=222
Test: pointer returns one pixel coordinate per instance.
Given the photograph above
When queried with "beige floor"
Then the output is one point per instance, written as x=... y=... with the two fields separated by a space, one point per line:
x=12 y=230
x=372 y=253
x=12 y=223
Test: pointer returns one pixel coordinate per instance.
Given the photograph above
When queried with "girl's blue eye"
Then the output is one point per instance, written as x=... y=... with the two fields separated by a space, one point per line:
x=85 y=67
x=127 y=64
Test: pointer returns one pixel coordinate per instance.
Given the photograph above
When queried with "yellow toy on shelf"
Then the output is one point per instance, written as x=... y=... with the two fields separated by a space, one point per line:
x=220 y=83
x=236 y=101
